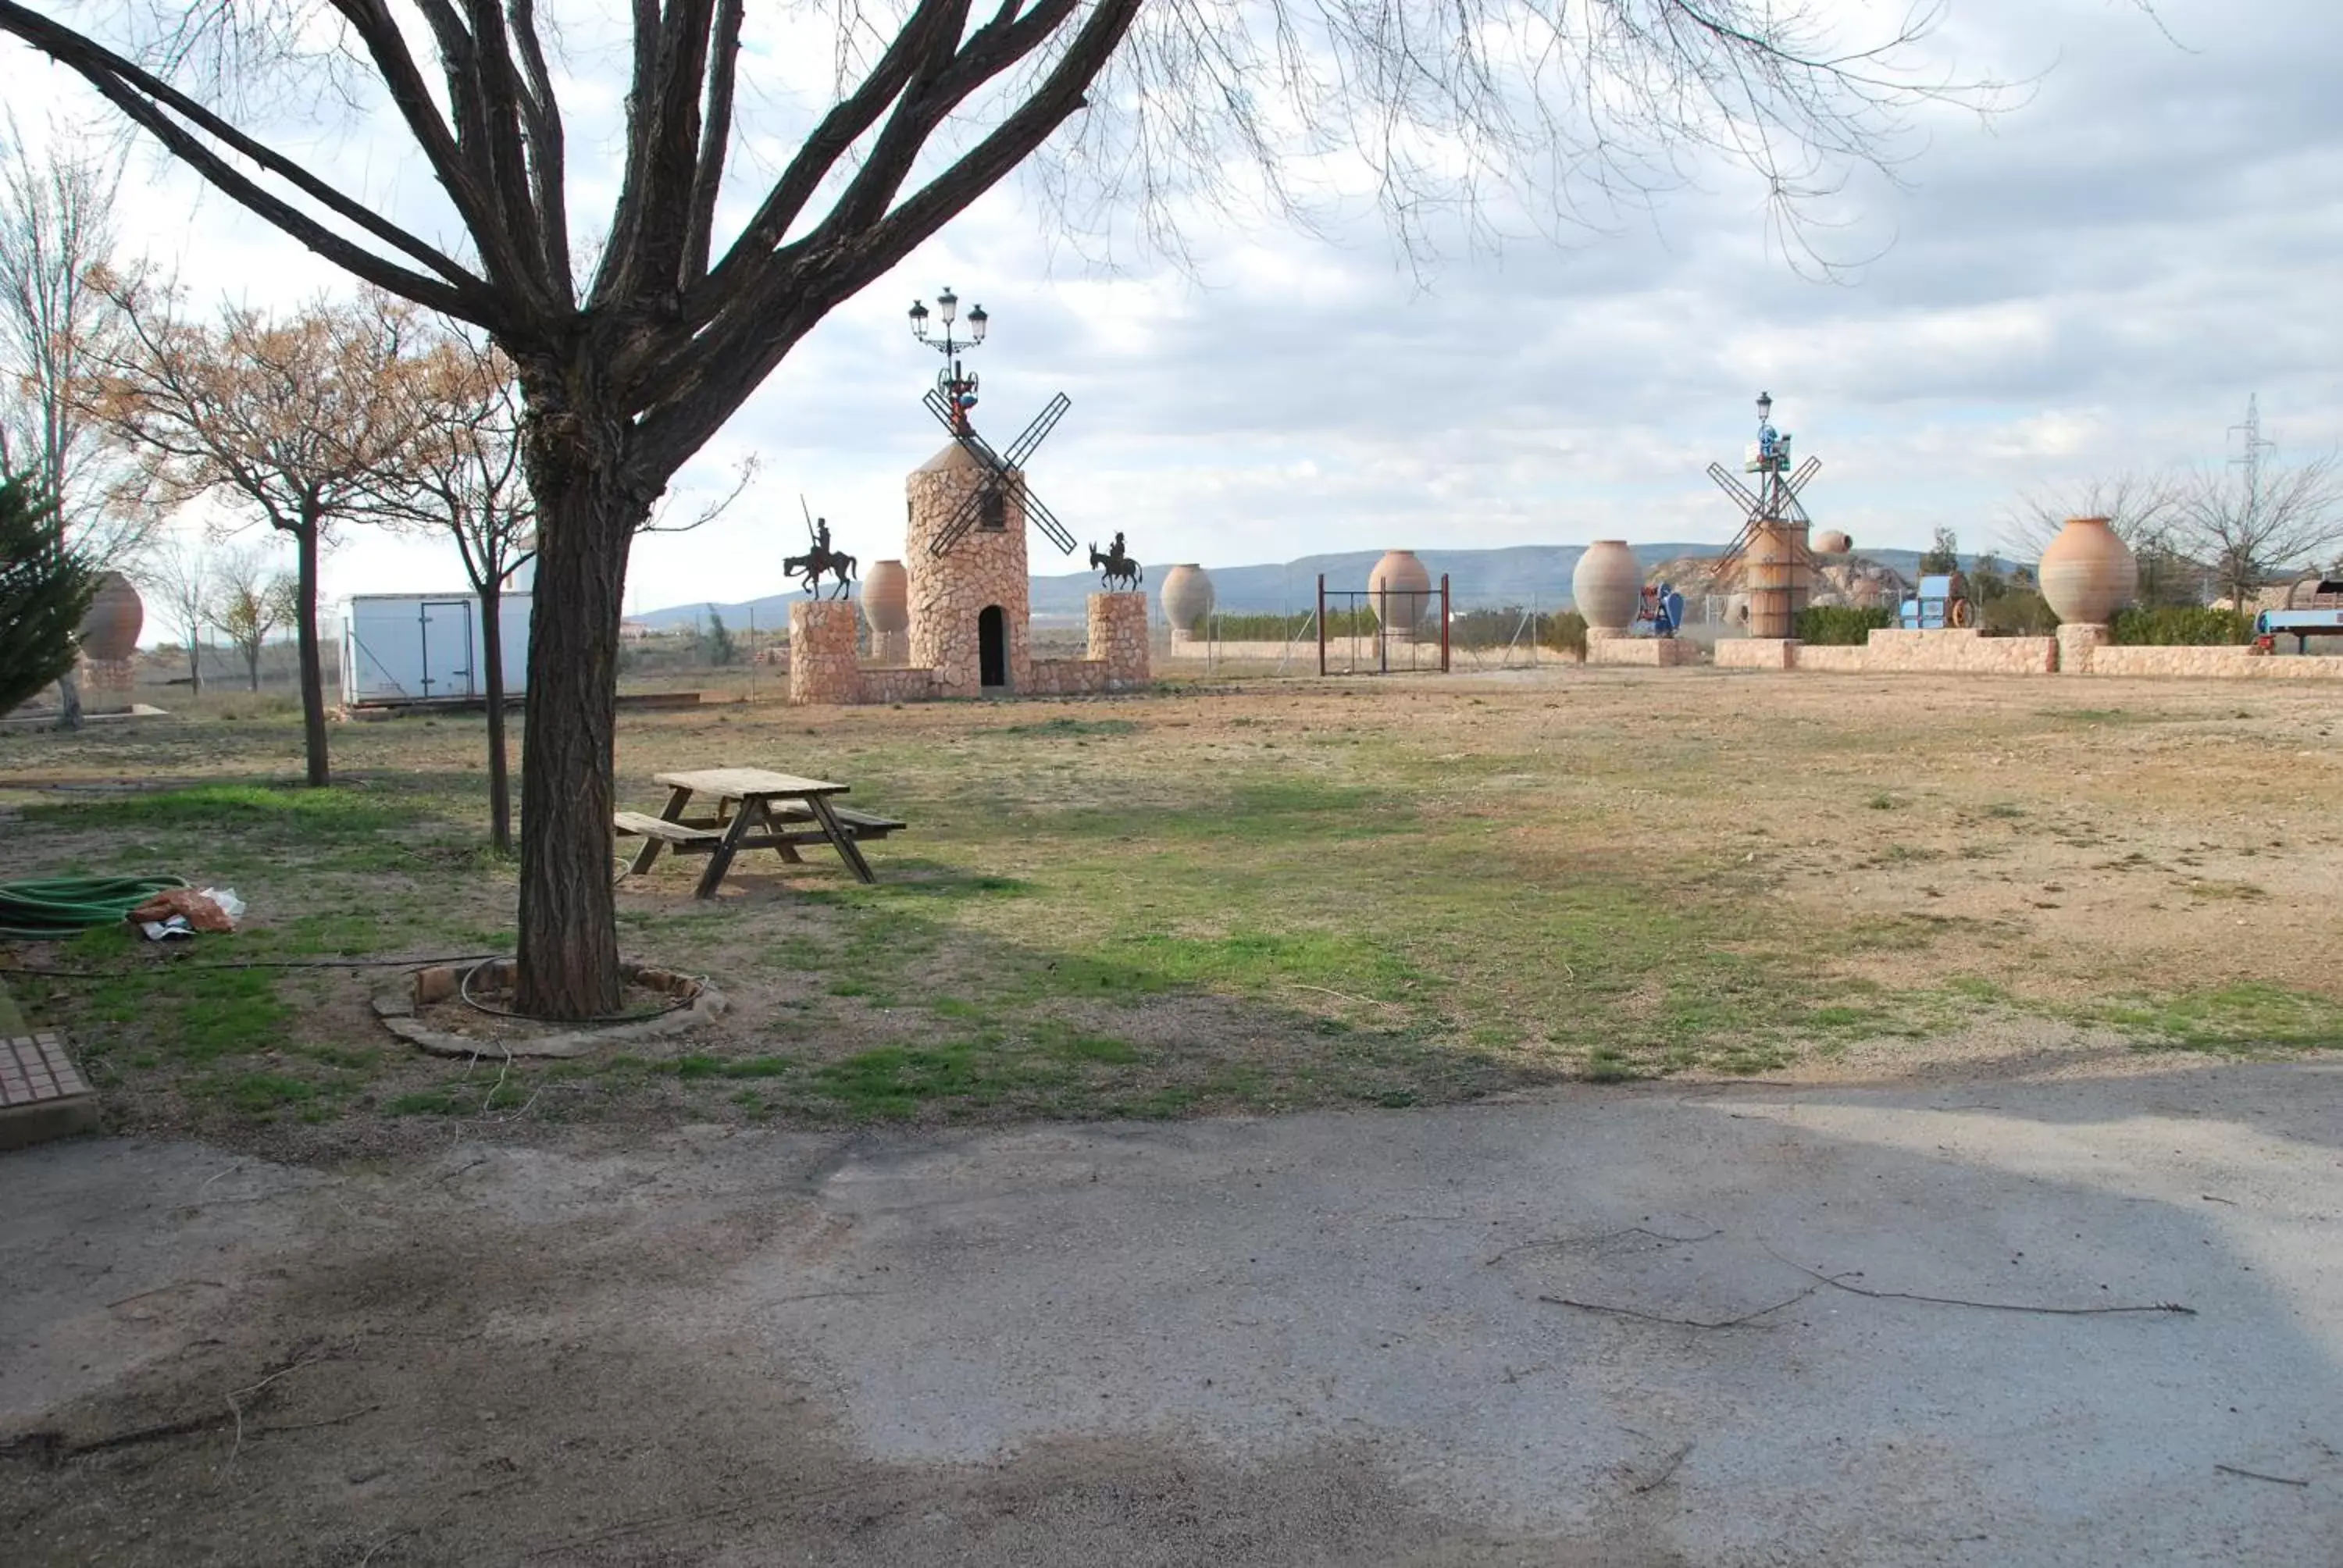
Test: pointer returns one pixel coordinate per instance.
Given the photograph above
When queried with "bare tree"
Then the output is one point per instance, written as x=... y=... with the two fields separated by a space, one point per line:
x=629 y=363
x=56 y=239
x=181 y=575
x=251 y=598
x=2145 y=510
x=2251 y=520
x=298 y=419
x=463 y=476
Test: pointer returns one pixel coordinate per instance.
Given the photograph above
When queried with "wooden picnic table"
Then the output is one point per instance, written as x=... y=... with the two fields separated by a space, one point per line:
x=753 y=808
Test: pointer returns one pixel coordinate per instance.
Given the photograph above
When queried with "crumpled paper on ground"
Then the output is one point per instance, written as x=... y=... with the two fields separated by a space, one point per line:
x=183 y=911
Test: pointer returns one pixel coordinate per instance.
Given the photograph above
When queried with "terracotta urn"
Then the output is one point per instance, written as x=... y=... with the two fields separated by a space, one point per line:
x=1400 y=589
x=1832 y=542
x=1607 y=584
x=886 y=596
x=1186 y=598
x=2087 y=573
x=110 y=630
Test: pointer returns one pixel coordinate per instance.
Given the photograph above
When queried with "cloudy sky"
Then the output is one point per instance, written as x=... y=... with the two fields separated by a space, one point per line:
x=2093 y=281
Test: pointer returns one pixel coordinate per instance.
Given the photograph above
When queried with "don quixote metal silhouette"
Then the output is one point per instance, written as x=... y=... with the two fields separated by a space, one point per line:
x=819 y=560
x=950 y=399
x=1115 y=566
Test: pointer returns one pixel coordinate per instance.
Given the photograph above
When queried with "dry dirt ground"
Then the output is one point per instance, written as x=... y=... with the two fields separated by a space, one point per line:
x=970 y=1236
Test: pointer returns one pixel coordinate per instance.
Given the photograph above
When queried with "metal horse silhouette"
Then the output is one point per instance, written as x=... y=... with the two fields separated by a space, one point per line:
x=1115 y=566
x=1004 y=473
x=821 y=560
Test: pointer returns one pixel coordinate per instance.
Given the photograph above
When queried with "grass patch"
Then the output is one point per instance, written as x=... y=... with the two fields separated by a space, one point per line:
x=2242 y=1018
x=1069 y=728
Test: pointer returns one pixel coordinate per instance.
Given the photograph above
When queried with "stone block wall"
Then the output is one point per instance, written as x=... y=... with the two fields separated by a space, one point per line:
x=1833 y=658
x=822 y=663
x=1064 y=677
x=1118 y=623
x=2231 y=663
x=899 y=684
x=2077 y=649
x=1649 y=652
x=1958 y=651
x=1752 y=653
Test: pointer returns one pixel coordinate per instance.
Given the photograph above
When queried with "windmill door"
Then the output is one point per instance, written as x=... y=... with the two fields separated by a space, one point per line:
x=992 y=647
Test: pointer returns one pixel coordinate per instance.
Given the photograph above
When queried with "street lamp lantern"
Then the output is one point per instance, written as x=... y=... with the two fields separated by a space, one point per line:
x=957 y=385
x=1764 y=403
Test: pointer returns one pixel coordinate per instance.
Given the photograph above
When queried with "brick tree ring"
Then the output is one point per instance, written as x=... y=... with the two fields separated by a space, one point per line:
x=694 y=1002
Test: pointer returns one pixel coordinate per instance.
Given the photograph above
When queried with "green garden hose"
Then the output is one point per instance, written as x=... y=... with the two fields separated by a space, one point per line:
x=67 y=906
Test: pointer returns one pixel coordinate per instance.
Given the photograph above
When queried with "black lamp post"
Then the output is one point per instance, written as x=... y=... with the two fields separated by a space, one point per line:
x=958 y=386
x=1765 y=406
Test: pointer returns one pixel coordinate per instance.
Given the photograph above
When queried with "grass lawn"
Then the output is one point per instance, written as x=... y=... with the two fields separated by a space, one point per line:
x=1264 y=895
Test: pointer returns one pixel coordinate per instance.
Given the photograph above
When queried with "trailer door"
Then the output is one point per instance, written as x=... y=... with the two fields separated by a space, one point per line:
x=446 y=628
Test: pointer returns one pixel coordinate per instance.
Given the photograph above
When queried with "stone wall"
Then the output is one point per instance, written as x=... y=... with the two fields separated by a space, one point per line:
x=899 y=684
x=2232 y=663
x=1650 y=652
x=1065 y=678
x=2077 y=649
x=822 y=664
x=1752 y=653
x=1833 y=659
x=1957 y=651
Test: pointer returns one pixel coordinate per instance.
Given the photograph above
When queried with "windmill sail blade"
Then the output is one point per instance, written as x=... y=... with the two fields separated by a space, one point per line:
x=963 y=517
x=1039 y=430
x=1733 y=486
x=1806 y=470
x=1035 y=512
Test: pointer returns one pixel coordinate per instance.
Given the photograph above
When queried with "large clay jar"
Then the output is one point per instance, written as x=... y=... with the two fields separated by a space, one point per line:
x=1607 y=584
x=2087 y=573
x=1832 y=542
x=1400 y=589
x=1187 y=597
x=109 y=632
x=887 y=596
x=887 y=605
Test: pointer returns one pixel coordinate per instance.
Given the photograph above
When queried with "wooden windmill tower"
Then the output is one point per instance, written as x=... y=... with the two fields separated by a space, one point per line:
x=1777 y=571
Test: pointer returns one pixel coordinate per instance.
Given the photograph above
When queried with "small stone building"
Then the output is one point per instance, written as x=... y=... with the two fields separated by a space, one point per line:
x=970 y=620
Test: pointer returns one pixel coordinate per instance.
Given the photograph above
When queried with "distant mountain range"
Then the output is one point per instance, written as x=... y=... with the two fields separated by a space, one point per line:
x=1522 y=575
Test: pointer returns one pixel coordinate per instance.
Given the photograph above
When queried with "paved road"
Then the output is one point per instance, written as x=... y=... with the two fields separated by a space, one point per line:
x=1320 y=1339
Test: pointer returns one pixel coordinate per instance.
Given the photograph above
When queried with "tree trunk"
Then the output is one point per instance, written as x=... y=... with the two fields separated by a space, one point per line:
x=492 y=648
x=313 y=670
x=69 y=700
x=252 y=664
x=586 y=516
x=195 y=663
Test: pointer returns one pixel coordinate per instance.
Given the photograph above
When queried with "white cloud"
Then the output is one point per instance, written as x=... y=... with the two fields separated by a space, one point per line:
x=2095 y=281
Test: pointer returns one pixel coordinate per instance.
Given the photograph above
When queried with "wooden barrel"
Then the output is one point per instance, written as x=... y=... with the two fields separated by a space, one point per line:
x=1778 y=578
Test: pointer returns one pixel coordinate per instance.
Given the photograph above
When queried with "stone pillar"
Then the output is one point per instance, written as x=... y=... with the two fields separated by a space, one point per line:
x=822 y=667
x=1119 y=635
x=2076 y=641
x=983 y=569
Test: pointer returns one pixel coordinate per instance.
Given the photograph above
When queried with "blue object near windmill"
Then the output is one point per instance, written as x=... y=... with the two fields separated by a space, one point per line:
x=1939 y=602
x=1662 y=610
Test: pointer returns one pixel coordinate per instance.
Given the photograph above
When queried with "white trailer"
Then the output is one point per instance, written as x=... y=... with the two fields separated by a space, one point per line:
x=410 y=647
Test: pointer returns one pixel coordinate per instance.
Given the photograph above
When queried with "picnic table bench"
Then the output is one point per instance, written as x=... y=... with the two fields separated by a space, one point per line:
x=753 y=808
